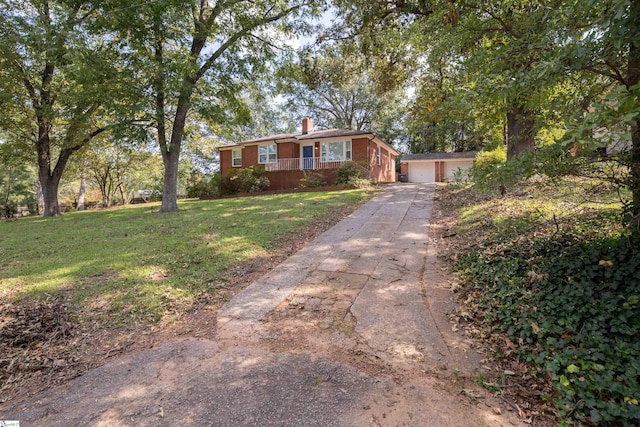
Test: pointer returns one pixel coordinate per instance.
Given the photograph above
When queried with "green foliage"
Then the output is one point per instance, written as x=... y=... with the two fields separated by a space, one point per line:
x=230 y=184
x=17 y=190
x=348 y=171
x=60 y=83
x=341 y=94
x=359 y=182
x=312 y=180
x=460 y=176
x=201 y=186
x=571 y=303
x=496 y=156
x=253 y=179
x=247 y=180
x=487 y=165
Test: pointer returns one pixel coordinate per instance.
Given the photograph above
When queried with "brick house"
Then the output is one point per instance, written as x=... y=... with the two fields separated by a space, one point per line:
x=287 y=157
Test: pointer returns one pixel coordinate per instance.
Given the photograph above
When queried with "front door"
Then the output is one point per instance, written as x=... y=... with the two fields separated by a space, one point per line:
x=307 y=157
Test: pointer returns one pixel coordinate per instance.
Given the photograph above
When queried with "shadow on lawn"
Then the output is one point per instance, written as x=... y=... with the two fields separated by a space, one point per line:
x=135 y=261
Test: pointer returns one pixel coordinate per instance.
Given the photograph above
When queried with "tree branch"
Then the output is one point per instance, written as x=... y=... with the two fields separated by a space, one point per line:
x=208 y=64
x=503 y=25
x=596 y=70
x=267 y=42
x=28 y=86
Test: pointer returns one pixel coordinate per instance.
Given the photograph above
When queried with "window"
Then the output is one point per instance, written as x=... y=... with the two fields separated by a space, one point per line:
x=236 y=158
x=379 y=156
x=390 y=162
x=335 y=151
x=267 y=153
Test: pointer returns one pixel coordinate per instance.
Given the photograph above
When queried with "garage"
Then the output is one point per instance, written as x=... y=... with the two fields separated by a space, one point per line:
x=422 y=172
x=436 y=167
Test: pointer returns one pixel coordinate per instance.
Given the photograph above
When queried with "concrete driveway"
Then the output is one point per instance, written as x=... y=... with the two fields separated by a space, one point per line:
x=350 y=331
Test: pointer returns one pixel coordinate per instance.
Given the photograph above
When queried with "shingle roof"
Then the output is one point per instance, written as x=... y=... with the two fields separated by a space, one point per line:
x=331 y=133
x=268 y=138
x=315 y=134
x=327 y=133
x=440 y=156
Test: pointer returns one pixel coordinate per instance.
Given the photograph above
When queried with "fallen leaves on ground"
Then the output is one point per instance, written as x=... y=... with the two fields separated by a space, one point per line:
x=516 y=383
x=43 y=345
x=37 y=345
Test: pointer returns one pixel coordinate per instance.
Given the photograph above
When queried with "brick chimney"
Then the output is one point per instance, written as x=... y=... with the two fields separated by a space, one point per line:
x=307 y=125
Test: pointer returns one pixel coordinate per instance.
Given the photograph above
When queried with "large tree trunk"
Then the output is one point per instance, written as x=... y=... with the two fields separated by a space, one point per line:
x=635 y=174
x=520 y=131
x=171 y=153
x=633 y=78
x=170 y=189
x=49 y=186
x=48 y=182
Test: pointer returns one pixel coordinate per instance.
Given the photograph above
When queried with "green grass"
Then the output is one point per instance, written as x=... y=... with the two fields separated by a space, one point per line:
x=551 y=268
x=135 y=264
x=540 y=206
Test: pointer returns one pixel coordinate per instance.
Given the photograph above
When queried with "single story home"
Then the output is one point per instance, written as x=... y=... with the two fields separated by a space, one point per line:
x=436 y=167
x=287 y=157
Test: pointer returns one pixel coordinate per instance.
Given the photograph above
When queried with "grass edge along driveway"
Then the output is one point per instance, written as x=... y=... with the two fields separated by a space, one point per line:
x=133 y=264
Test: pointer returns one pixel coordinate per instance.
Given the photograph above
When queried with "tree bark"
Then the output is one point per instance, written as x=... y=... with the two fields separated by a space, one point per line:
x=520 y=131
x=202 y=28
x=123 y=193
x=170 y=188
x=81 y=193
x=633 y=79
x=50 y=194
x=171 y=156
x=634 y=74
x=39 y=198
x=83 y=189
x=635 y=175
x=8 y=192
x=48 y=183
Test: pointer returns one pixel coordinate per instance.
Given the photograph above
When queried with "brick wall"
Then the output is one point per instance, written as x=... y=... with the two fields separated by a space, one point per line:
x=288 y=150
x=359 y=150
x=225 y=161
x=382 y=172
x=287 y=180
x=249 y=156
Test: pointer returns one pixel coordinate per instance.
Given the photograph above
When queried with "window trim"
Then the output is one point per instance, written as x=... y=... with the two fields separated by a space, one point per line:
x=268 y=158
x=347 y=151
x=234 y=158
x=379 y=156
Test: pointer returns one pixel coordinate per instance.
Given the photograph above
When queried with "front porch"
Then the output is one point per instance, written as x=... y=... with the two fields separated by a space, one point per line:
x=287 y=173
x=306 y=163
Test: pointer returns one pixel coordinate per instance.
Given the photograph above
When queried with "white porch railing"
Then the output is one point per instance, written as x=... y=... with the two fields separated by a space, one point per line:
x=309 y=163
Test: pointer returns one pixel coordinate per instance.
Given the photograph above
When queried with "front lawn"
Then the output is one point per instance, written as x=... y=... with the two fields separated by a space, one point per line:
x=133 y=264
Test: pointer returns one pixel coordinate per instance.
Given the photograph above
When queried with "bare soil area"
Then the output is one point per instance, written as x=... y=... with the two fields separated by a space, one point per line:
x=43 y=346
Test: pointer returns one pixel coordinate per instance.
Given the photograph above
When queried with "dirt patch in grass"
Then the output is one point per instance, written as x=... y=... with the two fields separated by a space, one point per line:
x=43 y=345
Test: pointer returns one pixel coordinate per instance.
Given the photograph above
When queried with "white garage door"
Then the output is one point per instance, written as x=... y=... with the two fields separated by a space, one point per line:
x=451 y=168
x=422 y=171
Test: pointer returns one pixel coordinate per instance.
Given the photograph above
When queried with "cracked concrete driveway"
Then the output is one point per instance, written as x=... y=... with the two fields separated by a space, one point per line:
x=350 y=331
